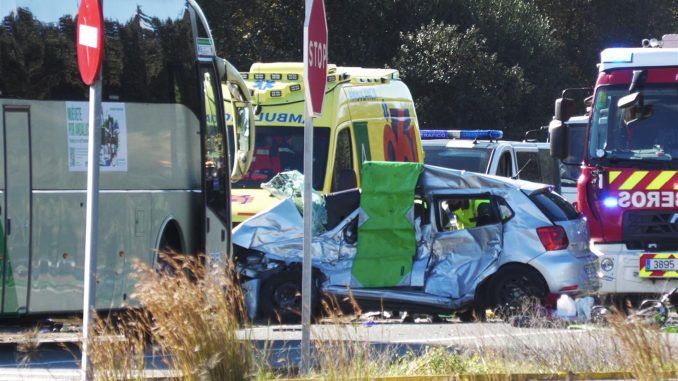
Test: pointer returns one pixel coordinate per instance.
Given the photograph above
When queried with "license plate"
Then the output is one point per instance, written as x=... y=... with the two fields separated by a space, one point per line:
x=658 y=265
x=661 y=264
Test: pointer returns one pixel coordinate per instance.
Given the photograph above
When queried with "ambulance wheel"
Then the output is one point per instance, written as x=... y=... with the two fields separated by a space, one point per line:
x=517 y=290
x=280 y=298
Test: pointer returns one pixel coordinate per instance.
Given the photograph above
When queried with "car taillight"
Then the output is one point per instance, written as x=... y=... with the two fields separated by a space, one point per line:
x=553 y=237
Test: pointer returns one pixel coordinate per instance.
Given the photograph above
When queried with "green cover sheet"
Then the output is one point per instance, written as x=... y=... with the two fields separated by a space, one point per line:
x=386 y=241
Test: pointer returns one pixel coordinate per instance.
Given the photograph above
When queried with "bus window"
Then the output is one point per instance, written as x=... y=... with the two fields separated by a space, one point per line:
x=343 y=174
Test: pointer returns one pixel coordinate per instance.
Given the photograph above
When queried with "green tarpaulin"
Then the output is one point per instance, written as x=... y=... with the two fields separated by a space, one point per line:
x=386 y=241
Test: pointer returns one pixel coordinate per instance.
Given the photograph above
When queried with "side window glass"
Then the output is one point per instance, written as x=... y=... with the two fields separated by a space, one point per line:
x=457 y=213
x=504 y=168
x=528 y=165
x=546 y=166
x=215 y=160
x=343 y=175
x=505 y=211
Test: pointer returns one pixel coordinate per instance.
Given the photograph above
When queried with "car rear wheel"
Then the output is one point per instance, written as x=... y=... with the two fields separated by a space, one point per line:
x=517 y=290
x=472 y=314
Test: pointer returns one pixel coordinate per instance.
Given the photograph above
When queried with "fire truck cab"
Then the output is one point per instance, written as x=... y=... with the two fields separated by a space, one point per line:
x=628 y=188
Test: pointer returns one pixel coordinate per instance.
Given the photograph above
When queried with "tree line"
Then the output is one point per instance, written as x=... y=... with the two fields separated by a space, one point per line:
x=469 y=63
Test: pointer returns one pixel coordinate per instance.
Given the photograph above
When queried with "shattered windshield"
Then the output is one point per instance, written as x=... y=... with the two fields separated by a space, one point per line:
x=279 y=149
x=652 y=138
x=474 y=160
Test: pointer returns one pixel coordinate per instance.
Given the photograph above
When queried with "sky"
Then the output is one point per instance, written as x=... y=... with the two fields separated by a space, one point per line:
x=121 y=10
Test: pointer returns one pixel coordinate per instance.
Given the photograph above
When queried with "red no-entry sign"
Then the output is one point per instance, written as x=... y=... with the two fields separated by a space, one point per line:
x=315 y=56
x=90 y=40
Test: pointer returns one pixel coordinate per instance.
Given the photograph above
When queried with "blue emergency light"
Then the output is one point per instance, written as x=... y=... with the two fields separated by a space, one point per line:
x=610 y=202
x=616 y=55
x=461 y=134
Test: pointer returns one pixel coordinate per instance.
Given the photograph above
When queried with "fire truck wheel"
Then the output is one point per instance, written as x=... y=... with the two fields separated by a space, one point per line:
x=280 y=298
x=517 y=290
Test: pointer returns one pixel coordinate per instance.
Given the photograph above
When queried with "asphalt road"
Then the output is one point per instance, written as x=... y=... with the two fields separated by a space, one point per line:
x=51 y=361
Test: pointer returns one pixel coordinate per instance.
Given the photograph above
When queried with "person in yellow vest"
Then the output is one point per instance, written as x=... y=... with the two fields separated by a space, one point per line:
x=462 y=213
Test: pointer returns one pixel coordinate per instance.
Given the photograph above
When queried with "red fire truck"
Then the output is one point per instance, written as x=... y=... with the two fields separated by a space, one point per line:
x=628 y=187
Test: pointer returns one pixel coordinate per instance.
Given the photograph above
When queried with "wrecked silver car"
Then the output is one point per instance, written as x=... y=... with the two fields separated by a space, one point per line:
x=422 y=239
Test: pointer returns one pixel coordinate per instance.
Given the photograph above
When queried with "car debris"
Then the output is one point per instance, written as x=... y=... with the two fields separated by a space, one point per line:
x=422 y=239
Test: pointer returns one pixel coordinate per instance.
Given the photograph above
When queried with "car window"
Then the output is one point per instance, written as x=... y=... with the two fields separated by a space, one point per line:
x=459 y=212
x=343 y=175
x=555 y=207
x=546 y=166
x=528 y=165
x=469 y=159
x=505 y=211
x=504 y=168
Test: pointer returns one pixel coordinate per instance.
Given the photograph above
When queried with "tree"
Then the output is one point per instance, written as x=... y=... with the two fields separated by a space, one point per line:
x=456 y=81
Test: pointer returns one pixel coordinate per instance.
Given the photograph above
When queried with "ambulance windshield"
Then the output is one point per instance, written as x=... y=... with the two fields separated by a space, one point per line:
x=652 y=138
x=280 y=149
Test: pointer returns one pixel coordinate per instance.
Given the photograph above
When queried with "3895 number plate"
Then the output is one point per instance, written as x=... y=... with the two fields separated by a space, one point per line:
x=658 y=265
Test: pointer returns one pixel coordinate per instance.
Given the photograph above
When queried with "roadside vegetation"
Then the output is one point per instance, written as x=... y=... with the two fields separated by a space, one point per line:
x=195 y=319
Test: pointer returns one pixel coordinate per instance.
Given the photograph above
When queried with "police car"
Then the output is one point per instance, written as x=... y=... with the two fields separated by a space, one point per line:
x=482 y=151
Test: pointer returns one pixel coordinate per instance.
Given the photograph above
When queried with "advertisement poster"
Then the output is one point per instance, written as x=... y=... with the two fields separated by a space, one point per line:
x=113 y=153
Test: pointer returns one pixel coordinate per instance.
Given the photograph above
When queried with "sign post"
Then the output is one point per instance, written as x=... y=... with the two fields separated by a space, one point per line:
x=315 y=80
x=90 y=48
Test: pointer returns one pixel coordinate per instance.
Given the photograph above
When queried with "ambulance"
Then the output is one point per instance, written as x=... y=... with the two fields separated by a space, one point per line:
x=368 y=115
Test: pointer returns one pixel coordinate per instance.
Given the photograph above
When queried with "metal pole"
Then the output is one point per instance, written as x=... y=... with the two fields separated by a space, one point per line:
x=308 y=214
x=92 y=218
x=308 y=238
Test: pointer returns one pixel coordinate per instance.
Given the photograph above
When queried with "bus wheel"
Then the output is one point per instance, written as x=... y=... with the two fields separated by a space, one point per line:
x=169 y=252
x=280 y=297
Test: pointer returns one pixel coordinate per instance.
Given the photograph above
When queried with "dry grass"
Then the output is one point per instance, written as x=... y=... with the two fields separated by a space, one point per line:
x=546 y=347
x=195 y=317
x=646 y=349
x=196 y=314
x=117 y=346
x=191 y=314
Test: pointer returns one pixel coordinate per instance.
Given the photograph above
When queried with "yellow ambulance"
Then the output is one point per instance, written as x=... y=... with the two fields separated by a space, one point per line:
x=368 y=114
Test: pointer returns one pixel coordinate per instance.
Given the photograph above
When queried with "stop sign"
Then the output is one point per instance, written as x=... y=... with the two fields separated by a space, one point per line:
x=315 y=55
x=90 y=40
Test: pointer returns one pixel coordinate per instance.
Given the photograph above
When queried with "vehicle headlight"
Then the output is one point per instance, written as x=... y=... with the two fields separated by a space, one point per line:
x=607 y=264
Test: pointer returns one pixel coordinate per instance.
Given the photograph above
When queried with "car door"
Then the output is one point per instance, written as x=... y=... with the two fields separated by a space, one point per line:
x=465 y=245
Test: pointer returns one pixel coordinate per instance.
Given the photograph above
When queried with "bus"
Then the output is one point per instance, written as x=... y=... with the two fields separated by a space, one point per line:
x=165 y=169
x=368 y=114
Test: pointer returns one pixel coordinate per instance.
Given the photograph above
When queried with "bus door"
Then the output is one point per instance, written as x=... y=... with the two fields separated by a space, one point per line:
x=16 y=209
x=216 y=168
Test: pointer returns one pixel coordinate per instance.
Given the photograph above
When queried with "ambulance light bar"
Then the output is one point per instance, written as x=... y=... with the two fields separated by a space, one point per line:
x=462 y=134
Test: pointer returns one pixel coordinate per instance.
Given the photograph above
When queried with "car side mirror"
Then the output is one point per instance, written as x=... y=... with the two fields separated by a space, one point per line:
x=564 y=109
x=558 y=138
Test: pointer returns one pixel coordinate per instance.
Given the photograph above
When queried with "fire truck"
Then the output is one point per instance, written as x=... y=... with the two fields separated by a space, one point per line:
x=628 y=187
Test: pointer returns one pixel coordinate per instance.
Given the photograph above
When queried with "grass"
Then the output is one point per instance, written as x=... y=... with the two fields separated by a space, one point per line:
x=194 y=317
x=191 y=314
x=117 y=347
